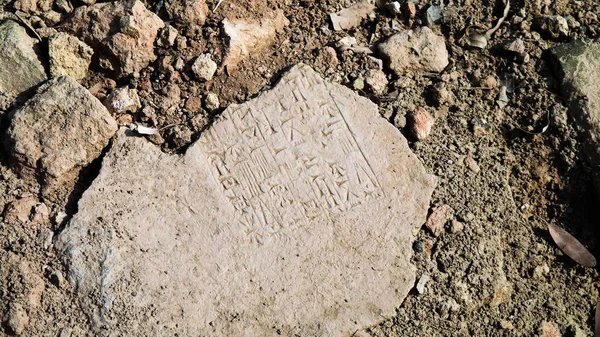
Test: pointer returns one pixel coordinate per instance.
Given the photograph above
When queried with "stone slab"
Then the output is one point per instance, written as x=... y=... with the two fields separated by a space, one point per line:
x=292 y=215
x=578 y=66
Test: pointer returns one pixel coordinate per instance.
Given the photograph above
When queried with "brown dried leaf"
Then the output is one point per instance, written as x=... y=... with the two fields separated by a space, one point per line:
x=571 y=246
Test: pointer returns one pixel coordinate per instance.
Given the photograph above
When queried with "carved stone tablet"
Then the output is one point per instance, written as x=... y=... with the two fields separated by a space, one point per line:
x=292 y=215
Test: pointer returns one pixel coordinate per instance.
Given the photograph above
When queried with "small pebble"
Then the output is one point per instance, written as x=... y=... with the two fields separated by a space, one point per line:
x=549 y=329
x=204 y=67
x=211 y=102
x=421 y=284
x=472 y=164
x=438 y=218
x=420 y=123
x=418 y=246
x=456 y=226
x=506 y=325
x=376 y=81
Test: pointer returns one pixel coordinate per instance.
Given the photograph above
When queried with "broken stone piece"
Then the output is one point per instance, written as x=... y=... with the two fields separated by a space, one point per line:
x=122 y=32
x=167 y=37
x=69 y=56
x=438 y=218
x=57 y=132
x=249 y=37
x=204 y=67
x=294 y=213
x=190 y=13
x=553 y=26
x=376 y=81
x=20 y=209
x=123 y=100
x=419 y=123
x=415 y=50
x=33 y=6
x=18 y=57
x=351 y=17
x=211 y=101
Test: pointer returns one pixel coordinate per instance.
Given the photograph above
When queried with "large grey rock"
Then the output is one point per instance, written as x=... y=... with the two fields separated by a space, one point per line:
x=20 y=68
x=292 y=215
x=122 y=32
x=578 y=66
x=57 y=132
x=415 y=50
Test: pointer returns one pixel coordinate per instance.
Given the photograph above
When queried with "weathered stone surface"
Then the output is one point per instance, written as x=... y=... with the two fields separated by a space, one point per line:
x=292 y=215
x=578 y=65
x=33 y=6
x=247 y=37
x=204 y=67
x=58 y=131
x=189 y=13
x=17 y=56
x=69 y=56
x=123 y=32
x=415 y=50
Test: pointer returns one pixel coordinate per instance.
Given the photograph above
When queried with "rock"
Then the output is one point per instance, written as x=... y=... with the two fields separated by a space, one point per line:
x=489 y=82
x=502 y=292
x=211 y=101
x=179 y=136
x=249 y=37
x=121 y=32
x=472 y=164
x=123 y=100
x=64 y=6
x=421 y=284
x=506 y=325
x=204 y=67
x=57 y=132
x=187 y=13
x=415 y=50
x=376 y=81
x=20 y=209
x=578 y=66
x=456 y=226
x=438 y=218
x=358 y=83
x=33 y=6
x=553 y=26
x=419 y=123
x=17 y=319
x=45 y=237
x=167 y=37
x=516 y=46
x=351 y=17
x=69 y=56
x=18 y=56
x=441 y=95
x=295 y=193
x=548 y=329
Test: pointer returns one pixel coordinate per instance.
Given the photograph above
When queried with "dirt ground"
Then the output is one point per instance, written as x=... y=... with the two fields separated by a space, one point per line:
x=501 y=275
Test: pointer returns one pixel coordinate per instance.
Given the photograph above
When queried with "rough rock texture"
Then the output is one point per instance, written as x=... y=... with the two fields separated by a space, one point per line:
x=246 y=38
x=58 y=131
x=204 y=67
x=578 y=65
x=351 y=17
x=123 y=100
x=33 y=6
x=69 y=56
x=18 y=56
x=189 y=13
x=415 y=50
x=123 y=32
x=292 y=215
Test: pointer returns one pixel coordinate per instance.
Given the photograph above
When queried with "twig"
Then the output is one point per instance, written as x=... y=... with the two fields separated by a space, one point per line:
x=489 y=33
x=217 y=6
x=28 y=26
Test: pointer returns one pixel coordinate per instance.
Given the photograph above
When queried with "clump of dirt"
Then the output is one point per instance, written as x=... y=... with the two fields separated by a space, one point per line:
x=495 y=270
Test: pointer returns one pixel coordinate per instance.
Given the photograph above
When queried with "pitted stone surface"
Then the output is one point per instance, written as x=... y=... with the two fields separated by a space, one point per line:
x=292 y=215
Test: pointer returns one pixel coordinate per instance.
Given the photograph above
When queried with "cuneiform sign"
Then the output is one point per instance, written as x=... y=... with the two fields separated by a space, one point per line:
x=292 y=215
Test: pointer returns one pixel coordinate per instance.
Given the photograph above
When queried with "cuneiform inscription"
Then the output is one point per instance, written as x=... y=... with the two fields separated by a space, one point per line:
x=285 y=163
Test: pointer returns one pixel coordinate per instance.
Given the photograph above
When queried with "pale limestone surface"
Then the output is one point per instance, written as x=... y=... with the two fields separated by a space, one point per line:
x=578 y=64
x=292 y=215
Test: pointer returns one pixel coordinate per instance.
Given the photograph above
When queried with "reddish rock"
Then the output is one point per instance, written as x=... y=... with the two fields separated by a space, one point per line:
x=438 y=218
x=191 y=13
x=420 y=123
x=548 y=329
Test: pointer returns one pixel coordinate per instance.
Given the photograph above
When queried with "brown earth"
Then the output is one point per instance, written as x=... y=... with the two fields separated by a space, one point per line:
x=500 y=276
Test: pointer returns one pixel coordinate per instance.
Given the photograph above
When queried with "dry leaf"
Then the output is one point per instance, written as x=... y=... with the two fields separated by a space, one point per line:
x=570 y=246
